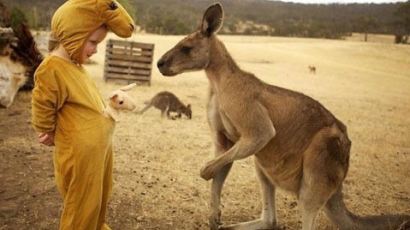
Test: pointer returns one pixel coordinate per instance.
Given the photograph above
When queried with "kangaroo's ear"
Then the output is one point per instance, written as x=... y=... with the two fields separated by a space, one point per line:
x=188 y=106
x=212 y=20
x=113 y=96
x=128 y=87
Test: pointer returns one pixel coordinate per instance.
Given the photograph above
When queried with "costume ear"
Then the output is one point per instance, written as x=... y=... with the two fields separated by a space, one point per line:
x=128 y=87
x=212 y=20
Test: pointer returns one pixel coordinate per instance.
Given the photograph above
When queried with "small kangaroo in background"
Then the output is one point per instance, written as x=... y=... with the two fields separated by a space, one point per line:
x=297 y=143
x=312 y=69
x=167 y=102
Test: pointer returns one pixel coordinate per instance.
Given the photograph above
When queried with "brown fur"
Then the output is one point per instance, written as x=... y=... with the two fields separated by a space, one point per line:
x=297 y=143
x=26 y=52
x=312 y=69
x=24 y=48
x=167 y=102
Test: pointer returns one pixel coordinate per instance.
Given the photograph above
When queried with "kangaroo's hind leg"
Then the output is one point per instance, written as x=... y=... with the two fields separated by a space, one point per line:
x=324 y=169
x=222 y=145
x=165 y=111
x=268 y=215
x=311 y=201
x=313 y=195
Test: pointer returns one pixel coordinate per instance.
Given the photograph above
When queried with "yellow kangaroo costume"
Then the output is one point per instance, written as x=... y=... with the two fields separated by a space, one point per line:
x=66 y=101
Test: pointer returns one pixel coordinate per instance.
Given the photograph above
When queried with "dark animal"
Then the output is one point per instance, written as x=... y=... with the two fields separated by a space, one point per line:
x=312 y=69
x=167 y=102
x=24 y=50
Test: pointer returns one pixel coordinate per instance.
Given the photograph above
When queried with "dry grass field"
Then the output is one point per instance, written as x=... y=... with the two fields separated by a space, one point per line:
x=157 y=161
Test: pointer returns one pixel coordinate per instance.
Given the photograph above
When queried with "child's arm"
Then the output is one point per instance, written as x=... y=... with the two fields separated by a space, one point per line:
x=49 y=95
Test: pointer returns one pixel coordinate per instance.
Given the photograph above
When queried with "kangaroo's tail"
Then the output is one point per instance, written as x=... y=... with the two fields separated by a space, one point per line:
x=338 y=213
x=148 y=105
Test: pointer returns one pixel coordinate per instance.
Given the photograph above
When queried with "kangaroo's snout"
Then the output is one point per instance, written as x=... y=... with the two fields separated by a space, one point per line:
x=160 y=63
x=163 y=65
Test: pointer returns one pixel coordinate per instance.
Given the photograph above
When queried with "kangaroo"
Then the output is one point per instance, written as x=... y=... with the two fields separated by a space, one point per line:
x=297 y=144
x=167 y=102
x=120 y=100
x=312 y=69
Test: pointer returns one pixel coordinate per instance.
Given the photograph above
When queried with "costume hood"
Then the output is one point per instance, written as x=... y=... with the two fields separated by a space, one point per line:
x=75 y=20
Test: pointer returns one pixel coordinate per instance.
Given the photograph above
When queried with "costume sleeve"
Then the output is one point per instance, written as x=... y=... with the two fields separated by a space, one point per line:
x=49 y=95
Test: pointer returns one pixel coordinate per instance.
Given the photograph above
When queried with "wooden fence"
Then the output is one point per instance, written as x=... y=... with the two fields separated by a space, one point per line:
x=128 y=61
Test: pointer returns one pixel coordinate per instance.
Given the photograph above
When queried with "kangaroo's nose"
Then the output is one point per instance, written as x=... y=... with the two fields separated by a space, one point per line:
x=160 y=63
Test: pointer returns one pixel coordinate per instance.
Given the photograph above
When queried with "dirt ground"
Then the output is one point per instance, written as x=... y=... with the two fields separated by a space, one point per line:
x=157 y=161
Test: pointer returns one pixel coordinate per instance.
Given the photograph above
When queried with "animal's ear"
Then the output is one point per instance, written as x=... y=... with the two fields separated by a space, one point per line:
x=188 y=106
x=114 y=96
x=128 y=87
x=212 y=20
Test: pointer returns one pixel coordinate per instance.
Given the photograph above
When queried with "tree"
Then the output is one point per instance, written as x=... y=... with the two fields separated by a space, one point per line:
x=367 y=23
x=17 y=17
x=34 y=18
x=403 y=22
x=4 y=16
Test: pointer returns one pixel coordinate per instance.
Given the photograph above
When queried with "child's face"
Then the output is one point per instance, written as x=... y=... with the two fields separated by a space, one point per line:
x=92 y=42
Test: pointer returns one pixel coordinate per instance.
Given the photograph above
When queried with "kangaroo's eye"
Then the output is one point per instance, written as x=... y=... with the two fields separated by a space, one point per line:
x=186 y=49
x=113 y=6
x=121 y=102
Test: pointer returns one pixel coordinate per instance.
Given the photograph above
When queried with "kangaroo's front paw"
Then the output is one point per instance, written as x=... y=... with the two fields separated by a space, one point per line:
x=208 y=171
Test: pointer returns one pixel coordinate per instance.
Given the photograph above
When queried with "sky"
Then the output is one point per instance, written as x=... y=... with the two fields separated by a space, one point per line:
x=343 y=1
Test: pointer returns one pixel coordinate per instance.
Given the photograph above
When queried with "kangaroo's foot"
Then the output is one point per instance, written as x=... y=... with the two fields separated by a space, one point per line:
x=258 y=224
x=215 y=221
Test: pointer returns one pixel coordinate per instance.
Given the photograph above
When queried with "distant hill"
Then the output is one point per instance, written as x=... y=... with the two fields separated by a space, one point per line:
x=257 y=17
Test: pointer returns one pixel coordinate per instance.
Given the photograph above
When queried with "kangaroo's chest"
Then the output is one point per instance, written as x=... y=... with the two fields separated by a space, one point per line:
x=229 y=128
x=219 y=120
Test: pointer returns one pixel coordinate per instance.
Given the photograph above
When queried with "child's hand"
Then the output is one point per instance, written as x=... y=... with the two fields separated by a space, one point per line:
x=46 y=138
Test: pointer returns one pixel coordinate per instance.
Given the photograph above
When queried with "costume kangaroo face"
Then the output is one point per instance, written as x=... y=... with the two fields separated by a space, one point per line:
x=90 y=14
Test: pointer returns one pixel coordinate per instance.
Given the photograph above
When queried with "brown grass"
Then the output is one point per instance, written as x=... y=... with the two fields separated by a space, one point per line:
x=157 y=161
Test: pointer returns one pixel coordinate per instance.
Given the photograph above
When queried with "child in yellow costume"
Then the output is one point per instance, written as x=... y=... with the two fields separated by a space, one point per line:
x=67 y=110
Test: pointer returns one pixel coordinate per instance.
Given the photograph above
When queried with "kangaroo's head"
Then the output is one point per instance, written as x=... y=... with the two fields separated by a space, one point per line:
x=188 y=111
x=193 y=52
